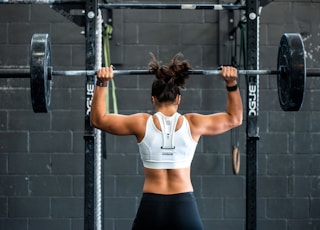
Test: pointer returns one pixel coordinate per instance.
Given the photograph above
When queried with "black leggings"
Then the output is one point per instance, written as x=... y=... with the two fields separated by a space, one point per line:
x=168 y=212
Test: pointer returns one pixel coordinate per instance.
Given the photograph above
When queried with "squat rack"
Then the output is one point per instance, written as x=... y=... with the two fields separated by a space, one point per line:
x=252 y=8
x=252 y=131
x=93 y=207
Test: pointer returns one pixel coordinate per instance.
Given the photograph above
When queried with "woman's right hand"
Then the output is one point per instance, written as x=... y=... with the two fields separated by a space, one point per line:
x=105 y=74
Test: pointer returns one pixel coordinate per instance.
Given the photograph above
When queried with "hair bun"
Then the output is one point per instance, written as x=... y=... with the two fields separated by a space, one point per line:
x=175 y=72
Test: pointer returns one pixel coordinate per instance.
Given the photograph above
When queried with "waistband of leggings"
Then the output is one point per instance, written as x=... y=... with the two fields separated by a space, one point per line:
x=186 y=196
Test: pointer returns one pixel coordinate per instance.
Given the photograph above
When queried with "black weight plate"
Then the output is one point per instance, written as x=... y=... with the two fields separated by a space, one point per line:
x=40 y=84
x=292 y=65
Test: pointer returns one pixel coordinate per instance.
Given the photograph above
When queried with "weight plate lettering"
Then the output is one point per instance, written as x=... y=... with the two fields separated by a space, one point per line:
x=40 y=84
x=292 y=77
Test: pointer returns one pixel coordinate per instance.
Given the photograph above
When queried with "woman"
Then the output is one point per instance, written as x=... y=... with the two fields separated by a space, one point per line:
x=167 y=141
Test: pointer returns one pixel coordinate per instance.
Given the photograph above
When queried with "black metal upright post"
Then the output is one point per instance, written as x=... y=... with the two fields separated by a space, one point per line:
x=91 y=12
x=252 y=129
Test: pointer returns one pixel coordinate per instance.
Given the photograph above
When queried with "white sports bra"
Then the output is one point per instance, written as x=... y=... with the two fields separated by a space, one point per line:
x=167 y=149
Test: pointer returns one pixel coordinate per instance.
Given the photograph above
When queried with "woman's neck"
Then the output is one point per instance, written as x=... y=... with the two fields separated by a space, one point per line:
x=167 y=110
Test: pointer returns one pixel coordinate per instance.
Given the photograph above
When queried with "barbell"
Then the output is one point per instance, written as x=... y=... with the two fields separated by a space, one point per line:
x=291 y=72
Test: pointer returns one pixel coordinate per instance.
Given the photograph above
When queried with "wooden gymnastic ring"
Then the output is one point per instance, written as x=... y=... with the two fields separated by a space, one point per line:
x=235 y=160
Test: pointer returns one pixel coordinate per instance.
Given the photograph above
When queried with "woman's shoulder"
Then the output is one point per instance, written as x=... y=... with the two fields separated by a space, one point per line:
x=190 y=116
x=140 y=117
x=194 y=119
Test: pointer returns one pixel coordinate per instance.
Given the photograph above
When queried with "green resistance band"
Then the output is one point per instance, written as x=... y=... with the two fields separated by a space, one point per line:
x=107 y=61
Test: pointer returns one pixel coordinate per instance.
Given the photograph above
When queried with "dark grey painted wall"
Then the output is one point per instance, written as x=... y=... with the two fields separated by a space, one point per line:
x=41 y=155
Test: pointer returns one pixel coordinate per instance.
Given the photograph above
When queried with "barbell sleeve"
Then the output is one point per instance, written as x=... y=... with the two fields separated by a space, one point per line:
x=15 y=72
x=313 y=72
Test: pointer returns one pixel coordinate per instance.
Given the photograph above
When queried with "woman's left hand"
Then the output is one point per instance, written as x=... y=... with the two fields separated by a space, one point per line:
x=229 y=74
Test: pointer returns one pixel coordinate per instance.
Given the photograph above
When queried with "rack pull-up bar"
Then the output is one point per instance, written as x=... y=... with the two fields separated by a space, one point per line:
x=173 y=6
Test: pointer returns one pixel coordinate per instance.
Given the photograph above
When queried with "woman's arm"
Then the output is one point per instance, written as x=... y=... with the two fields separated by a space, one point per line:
x=112 y=123
x=220 y=122
x=98 y=105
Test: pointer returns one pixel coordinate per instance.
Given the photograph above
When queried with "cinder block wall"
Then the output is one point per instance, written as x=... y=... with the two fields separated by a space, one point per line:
x=42 y=155
x=289 y=160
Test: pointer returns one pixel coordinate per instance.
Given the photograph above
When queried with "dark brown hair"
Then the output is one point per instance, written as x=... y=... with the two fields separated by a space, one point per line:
x=169 y=78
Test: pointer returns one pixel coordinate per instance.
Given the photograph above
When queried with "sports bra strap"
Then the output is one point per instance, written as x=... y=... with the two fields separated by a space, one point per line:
x=168 y=126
